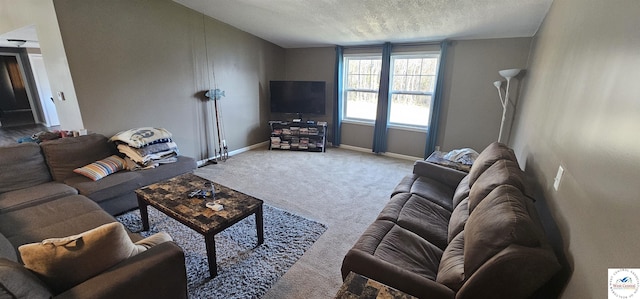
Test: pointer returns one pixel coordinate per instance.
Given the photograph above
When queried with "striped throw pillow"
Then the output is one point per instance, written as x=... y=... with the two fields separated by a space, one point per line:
x=102 y=168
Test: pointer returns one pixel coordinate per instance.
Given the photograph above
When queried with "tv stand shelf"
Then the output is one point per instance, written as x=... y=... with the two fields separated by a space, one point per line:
x=298 y=136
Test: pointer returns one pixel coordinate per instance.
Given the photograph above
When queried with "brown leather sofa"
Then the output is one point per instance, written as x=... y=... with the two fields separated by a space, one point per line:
x=449 y=234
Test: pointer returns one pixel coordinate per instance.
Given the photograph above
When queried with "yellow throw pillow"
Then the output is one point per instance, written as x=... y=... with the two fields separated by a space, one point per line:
x=65 y=262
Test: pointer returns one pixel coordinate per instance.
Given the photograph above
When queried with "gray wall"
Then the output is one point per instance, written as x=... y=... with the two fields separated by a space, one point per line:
x=471 y=109
x=312 y=64
x=580 y=109
x=146 y=63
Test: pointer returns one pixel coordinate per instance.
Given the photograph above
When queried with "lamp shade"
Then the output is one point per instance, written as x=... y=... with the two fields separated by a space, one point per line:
x=510 y=73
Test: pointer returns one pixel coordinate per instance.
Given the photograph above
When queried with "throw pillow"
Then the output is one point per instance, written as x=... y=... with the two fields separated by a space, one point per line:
x=102 y=168
x=65 y=262
x=18 y=282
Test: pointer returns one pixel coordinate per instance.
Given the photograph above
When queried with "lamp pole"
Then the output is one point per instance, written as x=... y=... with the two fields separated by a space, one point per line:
x=507 y=74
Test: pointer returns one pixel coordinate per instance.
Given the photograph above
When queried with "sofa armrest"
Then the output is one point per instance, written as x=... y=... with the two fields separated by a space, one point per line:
x=158 y=272
x=365 y=264
x=445 y=175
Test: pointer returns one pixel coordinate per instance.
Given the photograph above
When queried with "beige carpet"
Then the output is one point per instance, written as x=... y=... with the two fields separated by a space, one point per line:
x=343 y=189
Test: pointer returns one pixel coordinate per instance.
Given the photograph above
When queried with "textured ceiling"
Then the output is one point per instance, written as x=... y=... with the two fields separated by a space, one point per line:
x=311 y=23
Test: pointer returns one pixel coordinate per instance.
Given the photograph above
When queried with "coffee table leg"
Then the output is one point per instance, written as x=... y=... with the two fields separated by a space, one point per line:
x=259 y=226
x=144 y=214
x=210 y=242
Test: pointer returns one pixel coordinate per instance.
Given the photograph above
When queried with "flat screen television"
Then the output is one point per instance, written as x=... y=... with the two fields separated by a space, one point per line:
x=301 y=97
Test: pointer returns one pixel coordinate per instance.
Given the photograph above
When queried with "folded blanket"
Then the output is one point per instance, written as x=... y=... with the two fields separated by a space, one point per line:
x=141 y=136
x=136 y=154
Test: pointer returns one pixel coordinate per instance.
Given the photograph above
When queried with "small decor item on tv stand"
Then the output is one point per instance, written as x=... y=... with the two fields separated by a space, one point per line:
x=298 y=136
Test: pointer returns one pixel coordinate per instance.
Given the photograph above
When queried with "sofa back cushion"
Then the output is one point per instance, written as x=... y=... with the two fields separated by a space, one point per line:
x=502 y=172
x=66 y=154
x=494 y=152
x=462 y=191
x=22 y=166
x=500 y=220
x=6 y=249
x=451 y=268
x=18 y=282
x=458 y=219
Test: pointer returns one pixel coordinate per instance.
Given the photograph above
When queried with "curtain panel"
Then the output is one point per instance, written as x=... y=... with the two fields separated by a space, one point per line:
x=338 y=91
x=382 y=113
x=436 y=103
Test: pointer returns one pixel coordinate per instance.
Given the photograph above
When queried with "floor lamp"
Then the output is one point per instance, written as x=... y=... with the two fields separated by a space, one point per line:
x=507 y=74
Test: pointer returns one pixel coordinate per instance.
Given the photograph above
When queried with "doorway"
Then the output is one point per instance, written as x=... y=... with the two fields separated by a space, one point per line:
x=15 y=102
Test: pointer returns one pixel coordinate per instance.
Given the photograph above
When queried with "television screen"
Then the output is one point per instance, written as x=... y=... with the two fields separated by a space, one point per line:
x=298 y=97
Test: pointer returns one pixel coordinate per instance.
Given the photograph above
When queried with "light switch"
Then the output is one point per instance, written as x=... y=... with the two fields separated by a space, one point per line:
x=556 y=181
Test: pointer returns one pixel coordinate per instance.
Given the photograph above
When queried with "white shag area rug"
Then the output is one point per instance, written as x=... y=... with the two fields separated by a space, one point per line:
x=244 y=270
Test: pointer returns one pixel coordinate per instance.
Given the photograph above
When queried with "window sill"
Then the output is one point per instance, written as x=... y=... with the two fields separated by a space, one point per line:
x=391 y=126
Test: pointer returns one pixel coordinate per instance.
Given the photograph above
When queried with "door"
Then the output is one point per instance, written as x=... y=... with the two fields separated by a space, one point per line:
x=15 y=108
x=44 y=90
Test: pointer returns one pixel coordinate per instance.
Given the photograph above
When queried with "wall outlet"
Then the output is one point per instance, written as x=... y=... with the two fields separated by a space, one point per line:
x=556 y=181
x=437 y=148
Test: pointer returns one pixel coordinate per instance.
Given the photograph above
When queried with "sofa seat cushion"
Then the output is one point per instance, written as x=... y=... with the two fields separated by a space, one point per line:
x=426 y=219
x=500 y=220
x=503 y=172
x=114 y=185
x=418 y=215
x=22 y=166
x=33 y=195
x=389 y=242
x=408 y=251
x=18 y=282
x=494 y=152
x=57 y=218
x=392 y=209
x=430 y=189
x=66 y=154
x=404 y=186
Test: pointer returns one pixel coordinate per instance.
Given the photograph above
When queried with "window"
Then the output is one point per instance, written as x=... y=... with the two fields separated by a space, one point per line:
x=412 y=83
x=413 y=80
x=362 y=80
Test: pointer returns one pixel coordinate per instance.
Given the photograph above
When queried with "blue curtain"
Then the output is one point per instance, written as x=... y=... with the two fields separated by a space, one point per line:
x=382 y=114
x=436 y=102
x=337 y=106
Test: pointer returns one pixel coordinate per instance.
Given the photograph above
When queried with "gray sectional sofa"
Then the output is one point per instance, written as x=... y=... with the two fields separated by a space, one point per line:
x=41 y=197
x=449 y=234
x=45 y=171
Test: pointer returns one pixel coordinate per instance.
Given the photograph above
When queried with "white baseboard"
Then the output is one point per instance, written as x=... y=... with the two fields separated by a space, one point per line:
x=368 y=150
x=342 y=146
x=235 y=152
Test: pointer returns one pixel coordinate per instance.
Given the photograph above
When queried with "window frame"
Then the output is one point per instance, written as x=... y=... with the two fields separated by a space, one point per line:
x=410 y=55
x=403 y=55
x=346 y=89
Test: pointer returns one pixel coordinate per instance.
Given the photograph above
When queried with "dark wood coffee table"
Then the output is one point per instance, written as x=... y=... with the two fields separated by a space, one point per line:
x=171 y=197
